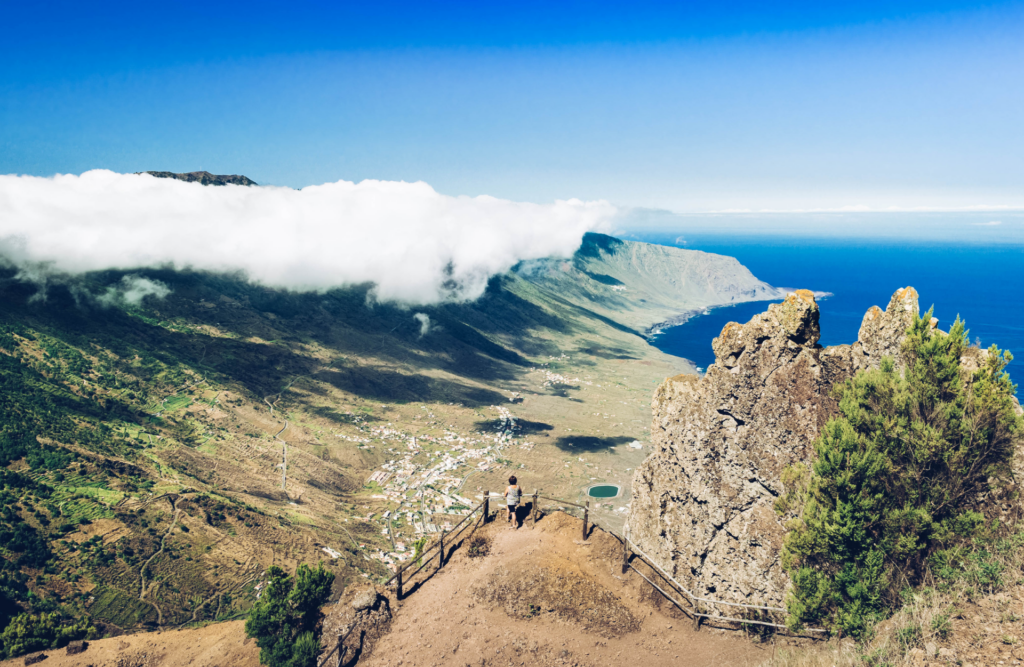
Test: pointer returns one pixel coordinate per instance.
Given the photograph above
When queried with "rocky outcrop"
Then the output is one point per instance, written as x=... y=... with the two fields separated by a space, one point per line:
x=703 y=502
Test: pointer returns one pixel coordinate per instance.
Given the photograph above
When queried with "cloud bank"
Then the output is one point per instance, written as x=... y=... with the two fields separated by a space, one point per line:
x=416 y=245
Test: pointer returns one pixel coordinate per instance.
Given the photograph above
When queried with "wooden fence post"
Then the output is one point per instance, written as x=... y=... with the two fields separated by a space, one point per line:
x=399 y=585
x=440 y=549
x=536 y=500
x=625 y=555
x=487 y=505
x=586 y=518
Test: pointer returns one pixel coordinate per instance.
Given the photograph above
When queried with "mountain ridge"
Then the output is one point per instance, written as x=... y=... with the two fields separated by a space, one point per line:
x=204 y=177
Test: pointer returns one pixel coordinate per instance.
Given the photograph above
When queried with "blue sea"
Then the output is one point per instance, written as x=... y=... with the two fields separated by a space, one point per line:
x=984 y=285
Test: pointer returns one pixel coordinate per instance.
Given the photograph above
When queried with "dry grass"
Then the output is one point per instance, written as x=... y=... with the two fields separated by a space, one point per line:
x=978 y=592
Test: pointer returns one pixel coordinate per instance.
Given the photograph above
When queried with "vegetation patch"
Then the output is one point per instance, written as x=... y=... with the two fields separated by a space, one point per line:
x=907 y=483
x=285 y=619
x=568 y=595
x=120 y=608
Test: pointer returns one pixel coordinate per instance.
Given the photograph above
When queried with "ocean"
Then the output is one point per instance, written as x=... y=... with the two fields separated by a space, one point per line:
x=981 y=284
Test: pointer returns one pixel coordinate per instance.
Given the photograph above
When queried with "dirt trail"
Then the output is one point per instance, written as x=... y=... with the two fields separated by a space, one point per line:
x=541 y=596
x=142 y=571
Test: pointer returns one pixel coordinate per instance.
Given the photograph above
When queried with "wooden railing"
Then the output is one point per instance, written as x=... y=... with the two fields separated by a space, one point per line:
x=401 y=576
x=629 y=552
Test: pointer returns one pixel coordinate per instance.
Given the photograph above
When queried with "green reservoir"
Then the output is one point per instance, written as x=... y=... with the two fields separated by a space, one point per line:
x=603 y=491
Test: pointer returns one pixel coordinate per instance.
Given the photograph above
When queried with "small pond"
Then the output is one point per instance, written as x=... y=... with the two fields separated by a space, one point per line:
x=603 y=491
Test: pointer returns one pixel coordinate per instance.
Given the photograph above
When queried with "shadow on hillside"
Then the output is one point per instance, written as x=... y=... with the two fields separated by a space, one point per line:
x=384 y=385
x=266 y=333
x=343 y=418
x=606 y=352
x=602 y=278
x=525 y=427
x=589 y=443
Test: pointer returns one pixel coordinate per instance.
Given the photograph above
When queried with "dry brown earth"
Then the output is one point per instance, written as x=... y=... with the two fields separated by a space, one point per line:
x=543 y=597
x=217 y=645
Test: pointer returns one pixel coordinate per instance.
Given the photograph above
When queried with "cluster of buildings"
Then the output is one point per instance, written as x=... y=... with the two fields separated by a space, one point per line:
x=426 y=483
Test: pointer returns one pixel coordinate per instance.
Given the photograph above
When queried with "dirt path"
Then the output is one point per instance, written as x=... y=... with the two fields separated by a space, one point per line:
x=542 y=597
x=142 y=570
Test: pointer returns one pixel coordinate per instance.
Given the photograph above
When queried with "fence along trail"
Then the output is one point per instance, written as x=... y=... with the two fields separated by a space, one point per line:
x=435 y=555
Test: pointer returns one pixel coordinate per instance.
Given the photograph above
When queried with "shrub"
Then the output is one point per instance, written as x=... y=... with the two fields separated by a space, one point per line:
x=417 y=548
x=479 y=546
x=284 y=619
x=30 y=632
x=899 y=479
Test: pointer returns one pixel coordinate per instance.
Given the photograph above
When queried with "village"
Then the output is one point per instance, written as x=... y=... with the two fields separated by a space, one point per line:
x=425 y=478
x=428 y=457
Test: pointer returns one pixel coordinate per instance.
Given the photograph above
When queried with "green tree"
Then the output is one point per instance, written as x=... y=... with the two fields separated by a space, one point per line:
x=284 y=619
x=31 y=632
x=902 y=472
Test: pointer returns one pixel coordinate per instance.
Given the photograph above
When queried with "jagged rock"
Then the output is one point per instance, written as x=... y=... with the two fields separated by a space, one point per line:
x=703 y=502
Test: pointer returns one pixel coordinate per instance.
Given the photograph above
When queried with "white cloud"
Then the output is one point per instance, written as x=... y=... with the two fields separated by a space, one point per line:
x=424 y=321
x=132 y=290
x=416 y=245
x=987 y=224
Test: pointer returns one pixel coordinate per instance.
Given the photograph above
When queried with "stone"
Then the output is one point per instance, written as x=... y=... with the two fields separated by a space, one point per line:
x=704 y=500
x=76 y=647
x=916 y=656
x=365 y=599
x=947 y=654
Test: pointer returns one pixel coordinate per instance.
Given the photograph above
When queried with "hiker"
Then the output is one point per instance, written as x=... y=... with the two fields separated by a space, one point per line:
x=512 y=495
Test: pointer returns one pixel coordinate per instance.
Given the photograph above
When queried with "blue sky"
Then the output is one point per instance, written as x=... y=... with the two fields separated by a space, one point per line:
x=683 y=107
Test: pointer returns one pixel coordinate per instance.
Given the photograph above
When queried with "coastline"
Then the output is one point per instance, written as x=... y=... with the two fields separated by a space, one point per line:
x=682 y=318
x=655 y=329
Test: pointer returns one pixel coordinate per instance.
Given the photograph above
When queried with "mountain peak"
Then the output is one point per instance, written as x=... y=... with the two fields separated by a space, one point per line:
x=204 y=177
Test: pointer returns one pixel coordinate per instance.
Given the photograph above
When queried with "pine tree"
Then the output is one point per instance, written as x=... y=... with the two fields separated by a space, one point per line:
x=284 y=619
x=904 y=470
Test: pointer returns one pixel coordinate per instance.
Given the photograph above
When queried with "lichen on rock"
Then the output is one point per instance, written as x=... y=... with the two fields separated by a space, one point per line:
x=704 y=502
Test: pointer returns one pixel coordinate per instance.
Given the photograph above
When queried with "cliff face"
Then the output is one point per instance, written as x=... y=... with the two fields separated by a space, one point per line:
x=641 y=285
x=703 y=501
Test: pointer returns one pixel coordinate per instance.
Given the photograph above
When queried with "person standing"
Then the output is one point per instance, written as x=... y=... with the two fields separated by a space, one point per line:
x=512 y=495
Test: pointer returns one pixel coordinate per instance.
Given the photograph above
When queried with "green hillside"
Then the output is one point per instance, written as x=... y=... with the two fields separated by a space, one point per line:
x=143 y=444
